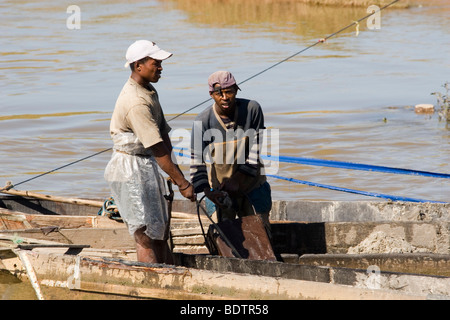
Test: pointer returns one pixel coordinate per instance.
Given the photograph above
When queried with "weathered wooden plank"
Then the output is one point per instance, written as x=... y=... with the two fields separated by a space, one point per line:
x=16 y=238
x=72 y=222
x=190 y=240
x=162 y=281
x=186 y=232
x=37 y=245
x=11 y=220
x=4 y=211
x=184 y=215
x=414 y=263
x=108 y=238
x=191 y=249
x=77 y=201
x=143 y=292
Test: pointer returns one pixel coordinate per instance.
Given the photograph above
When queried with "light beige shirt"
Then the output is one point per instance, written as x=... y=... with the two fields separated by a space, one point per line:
x=138 y=110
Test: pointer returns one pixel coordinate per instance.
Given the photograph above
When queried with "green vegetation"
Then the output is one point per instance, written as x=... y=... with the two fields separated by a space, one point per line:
x=443 y=103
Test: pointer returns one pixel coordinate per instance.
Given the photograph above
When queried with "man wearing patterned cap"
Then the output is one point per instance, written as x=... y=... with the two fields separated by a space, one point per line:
x=229 y=132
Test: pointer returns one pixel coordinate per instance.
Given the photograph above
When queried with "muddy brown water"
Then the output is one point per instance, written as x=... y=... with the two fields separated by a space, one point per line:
x=349 y=99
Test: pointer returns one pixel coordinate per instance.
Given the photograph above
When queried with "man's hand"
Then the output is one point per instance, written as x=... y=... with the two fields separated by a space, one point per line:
x=162 y=154
x=188 y=192
x=216 y=196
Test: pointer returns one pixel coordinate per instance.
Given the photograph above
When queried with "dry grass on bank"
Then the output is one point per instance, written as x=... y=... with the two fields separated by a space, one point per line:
x=358 y=3
x=350 y=3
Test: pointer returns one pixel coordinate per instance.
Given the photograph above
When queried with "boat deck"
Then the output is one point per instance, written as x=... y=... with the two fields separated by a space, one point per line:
x=369 y=257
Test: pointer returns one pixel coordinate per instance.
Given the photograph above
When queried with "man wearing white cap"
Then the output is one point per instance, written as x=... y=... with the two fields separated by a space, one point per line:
x=229 y=132
x=141 y=146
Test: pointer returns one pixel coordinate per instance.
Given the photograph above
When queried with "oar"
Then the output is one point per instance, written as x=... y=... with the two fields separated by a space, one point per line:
x=84 y=202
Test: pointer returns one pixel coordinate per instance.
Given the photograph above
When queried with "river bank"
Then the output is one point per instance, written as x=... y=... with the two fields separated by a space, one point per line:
x=345 y=3
x=360 y=3
x=402 y=4
x=355 y=3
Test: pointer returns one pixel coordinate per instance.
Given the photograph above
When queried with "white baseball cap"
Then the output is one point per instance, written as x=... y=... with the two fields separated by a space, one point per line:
x=144 y=48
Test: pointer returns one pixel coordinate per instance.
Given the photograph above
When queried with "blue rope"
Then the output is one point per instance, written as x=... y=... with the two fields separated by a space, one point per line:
x=346 y=165
x=356 y=166
x=365 y=193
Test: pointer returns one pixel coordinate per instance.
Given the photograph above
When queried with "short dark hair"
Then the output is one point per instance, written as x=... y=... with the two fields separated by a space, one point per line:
x=133 y=64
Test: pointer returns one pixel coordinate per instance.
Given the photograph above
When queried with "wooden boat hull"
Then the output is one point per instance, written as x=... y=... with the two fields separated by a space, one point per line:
x=115 y=276
x=313 y=260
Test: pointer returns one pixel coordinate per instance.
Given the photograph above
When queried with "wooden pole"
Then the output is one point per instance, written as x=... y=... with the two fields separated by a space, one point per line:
x=84 y=202
x=30 y=273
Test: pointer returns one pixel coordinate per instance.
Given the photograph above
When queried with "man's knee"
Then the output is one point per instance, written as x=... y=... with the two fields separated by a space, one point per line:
x=143 y=239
